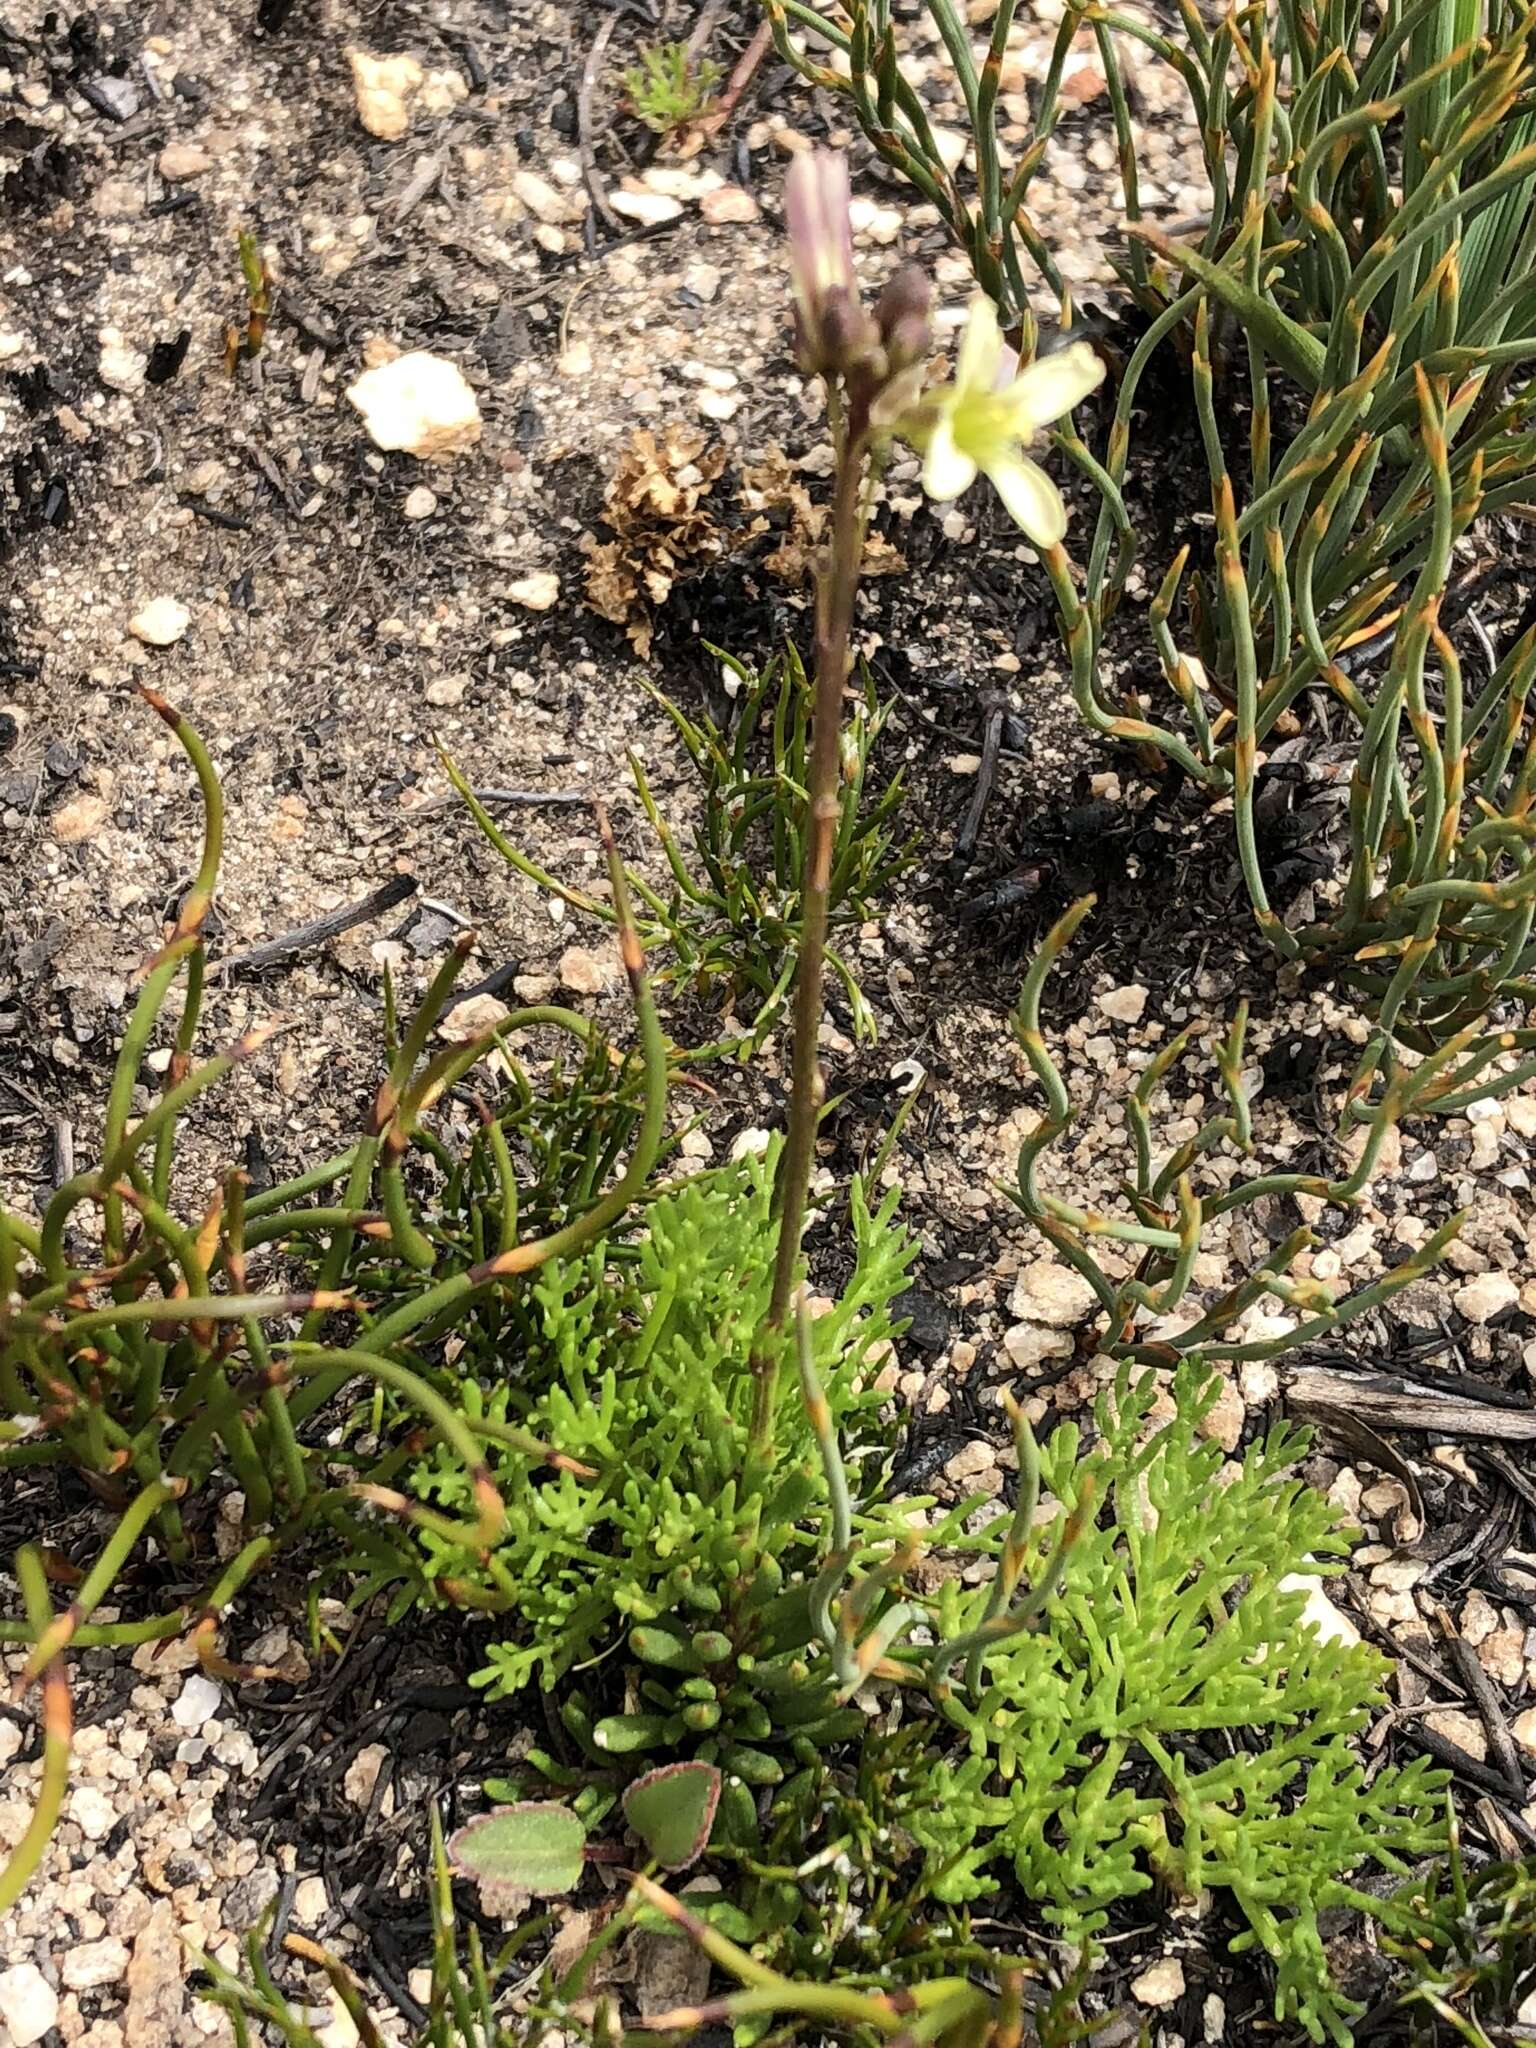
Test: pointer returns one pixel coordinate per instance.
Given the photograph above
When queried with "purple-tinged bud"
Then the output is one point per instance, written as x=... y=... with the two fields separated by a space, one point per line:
x=820 y=257
x=901 y=315
x=848 y=334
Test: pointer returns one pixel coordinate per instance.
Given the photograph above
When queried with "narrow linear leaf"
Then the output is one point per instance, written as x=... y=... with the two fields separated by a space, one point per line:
x=1301 y=354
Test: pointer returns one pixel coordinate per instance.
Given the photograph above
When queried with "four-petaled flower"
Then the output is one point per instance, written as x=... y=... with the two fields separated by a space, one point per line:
x=989 y=415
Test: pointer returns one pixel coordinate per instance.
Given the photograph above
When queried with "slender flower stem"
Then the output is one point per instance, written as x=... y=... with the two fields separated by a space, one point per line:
x=834 y=625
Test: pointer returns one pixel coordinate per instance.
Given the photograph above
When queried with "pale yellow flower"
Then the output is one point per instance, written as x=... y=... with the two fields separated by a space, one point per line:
x=982 y=422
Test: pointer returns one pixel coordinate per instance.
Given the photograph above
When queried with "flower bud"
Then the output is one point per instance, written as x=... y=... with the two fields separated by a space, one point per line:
x=901 y=315
x=847 y=333
x=821 y=259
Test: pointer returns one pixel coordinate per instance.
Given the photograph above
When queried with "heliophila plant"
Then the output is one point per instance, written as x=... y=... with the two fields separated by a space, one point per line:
x=854 y=52
x=1398 y=318
x=1382 y=321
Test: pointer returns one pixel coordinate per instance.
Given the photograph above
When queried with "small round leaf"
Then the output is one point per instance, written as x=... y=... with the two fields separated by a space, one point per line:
x=535 y=1846
x=672 y=1811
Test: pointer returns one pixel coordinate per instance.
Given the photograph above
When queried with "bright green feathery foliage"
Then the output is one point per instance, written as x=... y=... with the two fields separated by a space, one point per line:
x=1096 y=1759
x=669 y=87
x=640 y=1372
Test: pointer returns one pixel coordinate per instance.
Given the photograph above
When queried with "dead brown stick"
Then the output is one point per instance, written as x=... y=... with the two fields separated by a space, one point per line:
x=1501 y=1744
x=305 y=936
x=1454 y=1757
x=704 y=28
x=531 y=797
x=1387 y=1401
x=992 y=736
x=709 y=125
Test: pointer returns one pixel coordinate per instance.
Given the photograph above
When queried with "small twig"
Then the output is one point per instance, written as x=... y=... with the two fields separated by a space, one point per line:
x=24 y=1094
x=491 y=985
x=306 y=936
x=1501 y=1746
x=570 y=307
x=1390 y=1402
x=1455 y=1758
x=589 y=76
x=425 y=176
x=63 y=1151
x=446 y=909
x=1506 y=1831
x=703 y=29
x=529 y=797
x=986 y=775
x=231 y=521
x=1485 y=644
x=708 y=125
x=307 y=322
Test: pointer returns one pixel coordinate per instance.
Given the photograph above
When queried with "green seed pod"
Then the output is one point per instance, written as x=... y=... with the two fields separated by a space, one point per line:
x=660 y=1646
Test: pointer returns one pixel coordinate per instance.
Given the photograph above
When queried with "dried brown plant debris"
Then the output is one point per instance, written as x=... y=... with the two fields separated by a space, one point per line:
x=662 y=528
x=773 y=486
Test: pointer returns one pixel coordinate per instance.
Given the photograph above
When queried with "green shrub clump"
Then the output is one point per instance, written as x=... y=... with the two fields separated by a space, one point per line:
x=1175 y=1718
x=658 y=1532
x=728 y=921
